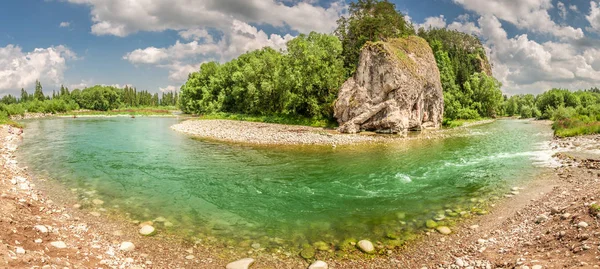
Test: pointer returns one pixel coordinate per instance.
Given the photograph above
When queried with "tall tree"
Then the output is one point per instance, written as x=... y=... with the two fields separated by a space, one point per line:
x=38 y=94
x=369 y=20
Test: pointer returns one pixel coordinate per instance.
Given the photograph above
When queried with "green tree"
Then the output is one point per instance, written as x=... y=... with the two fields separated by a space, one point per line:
x=38 y=94
x=369 y=20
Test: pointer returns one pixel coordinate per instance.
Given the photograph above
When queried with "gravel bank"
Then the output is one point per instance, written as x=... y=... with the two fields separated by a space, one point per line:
x=278 y=134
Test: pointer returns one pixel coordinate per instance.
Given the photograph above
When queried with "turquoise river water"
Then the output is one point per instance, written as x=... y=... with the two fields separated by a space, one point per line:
x=282 y=196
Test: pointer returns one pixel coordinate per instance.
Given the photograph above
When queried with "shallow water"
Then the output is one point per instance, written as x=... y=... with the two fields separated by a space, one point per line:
x=289 y=196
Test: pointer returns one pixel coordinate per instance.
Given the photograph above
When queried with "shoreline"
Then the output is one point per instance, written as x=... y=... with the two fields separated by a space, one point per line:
x=270 y=134
x=510 y=236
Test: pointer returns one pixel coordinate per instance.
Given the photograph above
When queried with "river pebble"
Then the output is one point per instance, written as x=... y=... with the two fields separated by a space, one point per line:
x=127 y=246
x=240 y=264
x=147 y=230
x=41 y=228
x=444 y=230
x=318 y=265
x=366 y=246
x=58 y=244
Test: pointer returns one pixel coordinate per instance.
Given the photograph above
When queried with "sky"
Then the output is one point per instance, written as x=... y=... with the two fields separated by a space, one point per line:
x=534 y=45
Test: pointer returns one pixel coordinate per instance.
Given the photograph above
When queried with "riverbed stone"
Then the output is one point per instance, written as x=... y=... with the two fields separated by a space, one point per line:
x=127 y=246
x=431 y=224
x=147 y=230
x=98 y=202
x=41 y=228
x=307 y=252
x=366 y=246
x=318 y=265
x=20 y=250
x=444 y=230
x=582 y=224
x=322 y=246
x=58 y=244
x=240 y=264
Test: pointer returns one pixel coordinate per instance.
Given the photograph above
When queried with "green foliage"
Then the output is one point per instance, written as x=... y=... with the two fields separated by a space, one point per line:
x=302 y=82
x=97 y=98
x=369 y=20
x=469 y=93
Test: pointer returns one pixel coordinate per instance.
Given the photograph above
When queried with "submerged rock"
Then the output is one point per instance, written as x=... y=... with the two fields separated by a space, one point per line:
x=444 y=230
x=240 y=264
x=41 y=228
x=147 y=230
x=396 y=88
x=431 y=224
x=307 y=252
x=366 y=246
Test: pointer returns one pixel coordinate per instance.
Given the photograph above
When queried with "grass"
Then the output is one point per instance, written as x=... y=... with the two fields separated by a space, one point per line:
x=449 y=124
x=150 y=111
x=279 y=119
x=575 y=127
x=5 y=120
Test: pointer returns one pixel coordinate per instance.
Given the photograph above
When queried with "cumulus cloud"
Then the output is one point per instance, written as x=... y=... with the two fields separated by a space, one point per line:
x=196 y=34
x=432 y=22
x=594 y=17
x=64 y=24
x=524 y=65
x=20 y=69
x=183 y=58
x=169 y=88
x=530 y=15
x=121 y=18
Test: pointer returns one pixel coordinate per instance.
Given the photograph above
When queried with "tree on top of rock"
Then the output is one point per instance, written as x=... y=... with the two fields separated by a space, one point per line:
x=369 y=20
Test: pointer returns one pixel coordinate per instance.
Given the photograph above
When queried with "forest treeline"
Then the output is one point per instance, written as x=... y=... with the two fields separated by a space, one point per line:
x=303 y=81
x=99 y=98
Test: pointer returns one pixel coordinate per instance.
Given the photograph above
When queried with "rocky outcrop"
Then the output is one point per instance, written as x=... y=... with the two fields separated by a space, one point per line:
x=396 y=88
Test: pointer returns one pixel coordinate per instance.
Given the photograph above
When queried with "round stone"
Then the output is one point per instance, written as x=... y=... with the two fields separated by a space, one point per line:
x=366 y=246
x=98 y=202
x=582 y=224
x=240 y=264
x=444 y=230
x=318 y=265
x=127 y=246
x=147 y=230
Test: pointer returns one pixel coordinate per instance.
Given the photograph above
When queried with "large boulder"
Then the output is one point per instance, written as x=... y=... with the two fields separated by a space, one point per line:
x=396 y=88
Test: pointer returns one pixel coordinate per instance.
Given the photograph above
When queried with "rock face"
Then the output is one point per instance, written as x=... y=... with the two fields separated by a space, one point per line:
x=396 y=88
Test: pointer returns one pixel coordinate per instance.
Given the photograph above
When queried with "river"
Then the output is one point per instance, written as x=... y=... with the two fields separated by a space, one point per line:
x=278 y=197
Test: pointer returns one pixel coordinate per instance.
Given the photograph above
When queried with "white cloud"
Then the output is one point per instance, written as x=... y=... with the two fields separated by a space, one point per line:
x=433 y=22
x=169 y=88
x=20 y=69
x=121 y=18
x=531 y=15
x=562 y=10
x=64 y=24
x=594 y=17
x=196 y=34
x=183 y=58
x=573 y=8
x=524 y=65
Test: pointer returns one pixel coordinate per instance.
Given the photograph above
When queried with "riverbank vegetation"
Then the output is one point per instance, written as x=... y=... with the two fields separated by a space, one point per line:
x=303 y=81
x=573 y=113
x=92 y=100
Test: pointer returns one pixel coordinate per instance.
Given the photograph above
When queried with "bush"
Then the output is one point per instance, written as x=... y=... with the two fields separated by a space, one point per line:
x=467 y=114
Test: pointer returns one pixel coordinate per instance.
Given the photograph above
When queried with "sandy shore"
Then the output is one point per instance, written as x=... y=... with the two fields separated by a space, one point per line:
x=547 y=223
x=278 y=134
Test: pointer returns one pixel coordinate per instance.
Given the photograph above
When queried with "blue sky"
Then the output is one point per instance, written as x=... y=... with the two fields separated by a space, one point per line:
x=534 y=45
